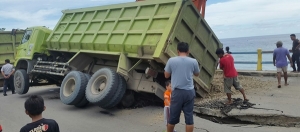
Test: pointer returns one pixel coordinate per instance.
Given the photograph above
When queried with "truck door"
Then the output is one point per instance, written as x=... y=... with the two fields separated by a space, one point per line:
x=25 y=48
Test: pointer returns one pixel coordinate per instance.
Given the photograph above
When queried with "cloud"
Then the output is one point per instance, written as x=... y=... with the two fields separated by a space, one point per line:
x=26 y=13
x=230 y=18
x=253 y=17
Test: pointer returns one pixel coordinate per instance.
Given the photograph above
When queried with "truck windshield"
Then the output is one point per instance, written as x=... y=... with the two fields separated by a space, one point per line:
x=26 y=36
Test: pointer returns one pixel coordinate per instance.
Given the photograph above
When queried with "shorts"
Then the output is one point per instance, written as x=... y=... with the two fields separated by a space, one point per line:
x=182 y=100
x=166 y=114
x=282 y=69
x=228 y=82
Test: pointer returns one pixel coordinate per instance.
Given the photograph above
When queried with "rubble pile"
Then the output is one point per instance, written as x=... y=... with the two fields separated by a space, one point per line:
x=247 y=82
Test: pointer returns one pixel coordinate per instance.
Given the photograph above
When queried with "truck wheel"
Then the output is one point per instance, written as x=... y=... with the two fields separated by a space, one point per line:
x=21 y=81
x=119 y=94
x=128 y=99
x=84 y=102
x=73 y=87
x=102 y=86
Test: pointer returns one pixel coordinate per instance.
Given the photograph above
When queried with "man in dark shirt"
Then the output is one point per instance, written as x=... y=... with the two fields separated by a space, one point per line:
x=296 y=53
x=34 y=107
x=227 y=50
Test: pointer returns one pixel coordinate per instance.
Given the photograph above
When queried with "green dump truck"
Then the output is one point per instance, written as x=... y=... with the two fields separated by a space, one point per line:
x=105 y=54
x=9 y=40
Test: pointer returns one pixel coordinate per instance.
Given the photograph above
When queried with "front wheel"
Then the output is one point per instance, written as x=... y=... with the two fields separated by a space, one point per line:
x=21 y=81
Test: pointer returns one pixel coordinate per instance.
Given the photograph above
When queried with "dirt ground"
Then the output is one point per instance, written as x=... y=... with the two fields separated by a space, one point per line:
x=249 y=83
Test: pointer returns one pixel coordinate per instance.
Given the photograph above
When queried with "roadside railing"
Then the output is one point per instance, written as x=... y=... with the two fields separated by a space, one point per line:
x=259 y=61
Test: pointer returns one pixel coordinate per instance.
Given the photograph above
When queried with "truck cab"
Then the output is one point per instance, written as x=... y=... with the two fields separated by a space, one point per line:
x=33 y=45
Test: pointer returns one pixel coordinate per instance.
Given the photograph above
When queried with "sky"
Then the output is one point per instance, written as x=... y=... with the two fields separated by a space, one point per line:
x=227 y=18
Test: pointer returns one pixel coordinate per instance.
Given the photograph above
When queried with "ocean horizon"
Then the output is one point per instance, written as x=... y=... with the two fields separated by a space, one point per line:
x=251 y=44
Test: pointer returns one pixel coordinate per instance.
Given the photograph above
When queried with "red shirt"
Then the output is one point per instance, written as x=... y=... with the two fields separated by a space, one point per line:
x=227 y=65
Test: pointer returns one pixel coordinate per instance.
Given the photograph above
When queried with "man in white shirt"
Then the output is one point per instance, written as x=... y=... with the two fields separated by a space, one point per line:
x=7 y=71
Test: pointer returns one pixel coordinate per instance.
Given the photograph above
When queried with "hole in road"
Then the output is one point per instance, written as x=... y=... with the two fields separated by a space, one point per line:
x=217 y=111
x=226 y=120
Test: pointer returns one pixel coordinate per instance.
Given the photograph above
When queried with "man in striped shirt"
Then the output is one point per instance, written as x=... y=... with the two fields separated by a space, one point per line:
x=7 y=70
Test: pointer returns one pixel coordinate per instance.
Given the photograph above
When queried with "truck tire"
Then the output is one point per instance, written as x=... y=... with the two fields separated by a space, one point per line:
x=122 y=86
x=84 y=102
x=73 y=87
x=102 y=86
x=128 y=99
x=21 y=81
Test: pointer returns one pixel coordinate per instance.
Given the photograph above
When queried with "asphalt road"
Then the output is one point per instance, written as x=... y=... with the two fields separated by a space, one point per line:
x=95 y=119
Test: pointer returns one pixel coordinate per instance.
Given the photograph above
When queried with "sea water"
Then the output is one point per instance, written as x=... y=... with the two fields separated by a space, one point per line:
x=251 y=44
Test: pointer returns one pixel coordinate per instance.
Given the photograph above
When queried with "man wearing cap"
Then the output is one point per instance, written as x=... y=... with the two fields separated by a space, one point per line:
x=279 y=60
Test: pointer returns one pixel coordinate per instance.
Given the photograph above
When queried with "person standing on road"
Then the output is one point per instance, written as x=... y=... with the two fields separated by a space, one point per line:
x=296 y=53
x=34 y=107
x=279 y=60
x=230 y=75
x=7 y=71
x=181 y=70
x=167 y=100
x=227 y=50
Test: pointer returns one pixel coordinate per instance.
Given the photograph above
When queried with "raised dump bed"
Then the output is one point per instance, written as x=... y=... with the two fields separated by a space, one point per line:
x=9 y=40
x=134 y=40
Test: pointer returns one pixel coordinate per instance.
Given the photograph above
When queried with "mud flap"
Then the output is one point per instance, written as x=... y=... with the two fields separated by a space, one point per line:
x=124 y=66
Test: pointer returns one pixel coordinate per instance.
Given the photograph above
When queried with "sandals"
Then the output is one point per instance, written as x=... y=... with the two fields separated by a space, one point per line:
x=246 y=100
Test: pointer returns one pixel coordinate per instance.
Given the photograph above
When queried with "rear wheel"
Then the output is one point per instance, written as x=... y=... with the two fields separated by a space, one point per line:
x=84 y=102
x=128 y=99
x=102 y=86
x=119 y=94
x=73 y=87
x=21 y=81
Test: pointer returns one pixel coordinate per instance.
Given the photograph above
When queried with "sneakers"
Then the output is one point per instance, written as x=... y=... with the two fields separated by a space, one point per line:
x=5 y=94
x=13 y=92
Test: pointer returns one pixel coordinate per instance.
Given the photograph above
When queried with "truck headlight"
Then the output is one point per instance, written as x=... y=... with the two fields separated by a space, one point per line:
x=39 y=59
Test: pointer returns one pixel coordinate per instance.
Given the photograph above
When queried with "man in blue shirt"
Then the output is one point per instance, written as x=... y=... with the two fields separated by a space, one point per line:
x=181 y=70
x=280 y=61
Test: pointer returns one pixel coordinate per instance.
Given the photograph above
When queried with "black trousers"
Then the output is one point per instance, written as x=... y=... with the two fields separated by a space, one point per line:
x=295 y=60
x=9 y=82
